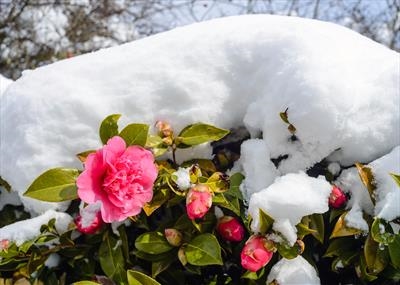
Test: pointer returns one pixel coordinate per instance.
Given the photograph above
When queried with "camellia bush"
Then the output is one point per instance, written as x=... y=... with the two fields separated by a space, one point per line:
x=140 y=217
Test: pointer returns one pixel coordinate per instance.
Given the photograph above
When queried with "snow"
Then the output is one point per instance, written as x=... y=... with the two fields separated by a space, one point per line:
x=287 y=200
x=257 y=167
x=293 y=271
x=8 y=198
x=4 y=83
x=182 y=178
x=22 y=231
x=228 y=72
x=53 y=260
x=387 y=192
x=89 y=213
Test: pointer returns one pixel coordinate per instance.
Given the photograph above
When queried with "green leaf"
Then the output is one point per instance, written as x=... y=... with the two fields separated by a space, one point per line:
x=228 y=202
x=287 y=251
x=317 y=224
x=135 y=134
x=394 y=251
x=376 y=256
x=139 y=278
x=152 y=243
x=5 y=184
x=363 y=270
x=266 y=222
x=253 y=275
x=340 y=246
x=159 y=266
x=234 y=187
x=342 y=230
x=200 y=133
x=382 y=232
x=85 y=283
x=111 y=258
x=367 y=178
x=396 y=178
x=204 y=250
x=54 y=185
x=109 y=127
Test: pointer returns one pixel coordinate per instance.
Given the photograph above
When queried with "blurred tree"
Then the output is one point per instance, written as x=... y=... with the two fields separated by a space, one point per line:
x=37 y=32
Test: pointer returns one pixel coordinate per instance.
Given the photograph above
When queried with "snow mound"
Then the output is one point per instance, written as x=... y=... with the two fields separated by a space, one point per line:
x=228 y=72
x=4 y=83
x=287 y=200
x=387 y=193
x=22 y=231
x=293 y=271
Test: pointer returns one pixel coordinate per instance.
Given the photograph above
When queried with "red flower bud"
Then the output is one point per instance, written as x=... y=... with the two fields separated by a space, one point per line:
x=337 y=199
x=173 y=236
x=4 y=244
x=198 y=201
x=89 y=220
x=230 y=229
x=254 y=254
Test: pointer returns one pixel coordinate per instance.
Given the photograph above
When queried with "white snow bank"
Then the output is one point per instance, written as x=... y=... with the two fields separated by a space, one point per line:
x=287 y=200
x=22 y=231
x=257 y=167
x=227 y=72
x=8 y=198
x=4 y=83
x=387 y=192
x=293 y=271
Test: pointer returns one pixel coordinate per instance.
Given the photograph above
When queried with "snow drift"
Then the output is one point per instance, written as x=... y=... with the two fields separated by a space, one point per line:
x=341 y=90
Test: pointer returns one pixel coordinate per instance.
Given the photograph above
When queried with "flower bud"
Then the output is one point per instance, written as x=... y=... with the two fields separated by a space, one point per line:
x=182 y=256
x=254 y=255
x=164 y=128
x=230 y=229
x=89 y=220
x=173 y=236
x=4 y=244
x=337 y=199
x=198 y=201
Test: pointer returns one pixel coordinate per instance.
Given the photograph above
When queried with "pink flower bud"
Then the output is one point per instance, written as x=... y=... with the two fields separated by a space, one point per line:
x=173 y=236
x=89 y=220
x=198 y=201
x=4 y=244
x=254 y=254
x=337 y=199
x=230 y=229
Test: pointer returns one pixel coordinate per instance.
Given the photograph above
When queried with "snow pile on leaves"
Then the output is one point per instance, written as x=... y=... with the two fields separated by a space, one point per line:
x=387 y=193
x=287 y=200
x=338 y=88
x=22 y=231
x=4 y=83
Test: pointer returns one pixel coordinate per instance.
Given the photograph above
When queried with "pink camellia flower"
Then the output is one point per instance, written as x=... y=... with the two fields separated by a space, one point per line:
x=337 y=199
x=89 y=220
x=198 y=201
x=120 y=177
x=254 y=254
x=230 y=229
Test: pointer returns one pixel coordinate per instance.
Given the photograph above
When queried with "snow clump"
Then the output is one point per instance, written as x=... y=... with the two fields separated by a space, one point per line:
x=288 y=200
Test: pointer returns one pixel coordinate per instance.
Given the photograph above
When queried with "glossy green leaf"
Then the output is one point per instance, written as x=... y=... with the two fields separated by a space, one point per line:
x=54 y=185
x=376 y=256
x=200 y=133
x=85 y=283
x=382 y=232
x=341 y=229
x=135 y=134
x=109 y=127
x=203 y=250
x=287 y=251
x=367 y=178
x=159 y=266
x=139 y=278
x=112 y=259
x=317 y=224
x=340 y=246
x=152 y=243
x=234 y=186
x=5 y=184
x=396 y=178
x=227 y=202
x=266 y=222
x=394 y=251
